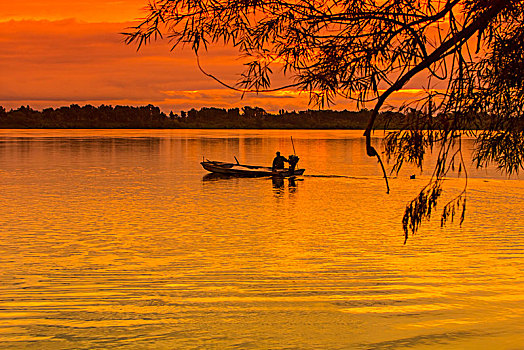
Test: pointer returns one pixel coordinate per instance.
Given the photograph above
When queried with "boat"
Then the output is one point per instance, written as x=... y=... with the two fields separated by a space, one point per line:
x=246 y=170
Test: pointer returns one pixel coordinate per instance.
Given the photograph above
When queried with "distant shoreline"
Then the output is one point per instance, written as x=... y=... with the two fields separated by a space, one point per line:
x=252 y=118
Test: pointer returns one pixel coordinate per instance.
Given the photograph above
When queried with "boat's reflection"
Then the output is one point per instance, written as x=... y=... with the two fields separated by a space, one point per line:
x=292 y=184
x=217 y=176
x=278 y=183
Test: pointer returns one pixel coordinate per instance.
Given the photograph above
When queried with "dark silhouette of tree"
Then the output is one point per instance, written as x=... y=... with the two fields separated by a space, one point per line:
x=365 y=50
x=253 y=112
x=233 y=113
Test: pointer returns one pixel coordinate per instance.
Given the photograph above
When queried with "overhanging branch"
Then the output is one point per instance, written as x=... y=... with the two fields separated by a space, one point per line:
x=445 y=49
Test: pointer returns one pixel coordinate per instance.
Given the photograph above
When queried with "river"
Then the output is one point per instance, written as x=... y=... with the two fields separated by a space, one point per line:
x=118 y=239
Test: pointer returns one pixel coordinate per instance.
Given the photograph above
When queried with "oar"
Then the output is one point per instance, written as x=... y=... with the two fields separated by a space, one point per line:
x=293 y=144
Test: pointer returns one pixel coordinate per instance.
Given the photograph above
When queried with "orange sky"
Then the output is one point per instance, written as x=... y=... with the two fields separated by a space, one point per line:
x=56 y=52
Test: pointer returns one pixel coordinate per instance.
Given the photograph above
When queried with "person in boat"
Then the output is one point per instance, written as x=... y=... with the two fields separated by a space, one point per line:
x=278 y=162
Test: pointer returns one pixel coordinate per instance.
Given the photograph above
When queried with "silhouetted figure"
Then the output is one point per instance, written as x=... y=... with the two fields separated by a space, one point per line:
x=278 y=162
x=292 y=160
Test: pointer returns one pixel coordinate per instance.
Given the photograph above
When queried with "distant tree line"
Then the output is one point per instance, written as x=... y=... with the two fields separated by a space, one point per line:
x=88 y=117
x=150 y=117
x=257 y=118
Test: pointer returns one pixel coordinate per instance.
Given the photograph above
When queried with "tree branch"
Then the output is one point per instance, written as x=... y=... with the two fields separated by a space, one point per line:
x=445 y=49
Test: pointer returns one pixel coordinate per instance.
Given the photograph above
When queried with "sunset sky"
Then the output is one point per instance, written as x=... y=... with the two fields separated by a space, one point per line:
x=55 y=52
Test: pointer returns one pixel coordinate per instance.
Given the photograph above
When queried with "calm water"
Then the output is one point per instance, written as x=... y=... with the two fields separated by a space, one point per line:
x=117 y=239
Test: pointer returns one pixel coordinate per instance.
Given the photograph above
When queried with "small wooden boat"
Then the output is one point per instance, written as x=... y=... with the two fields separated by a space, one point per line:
x=246 y=170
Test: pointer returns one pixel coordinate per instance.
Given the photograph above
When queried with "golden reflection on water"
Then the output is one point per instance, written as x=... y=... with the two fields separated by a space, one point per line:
x=112 y=238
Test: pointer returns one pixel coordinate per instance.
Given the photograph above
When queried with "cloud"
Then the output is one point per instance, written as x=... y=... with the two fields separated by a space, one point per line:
x=86 y=10
x=70 y=60
x=48 y=63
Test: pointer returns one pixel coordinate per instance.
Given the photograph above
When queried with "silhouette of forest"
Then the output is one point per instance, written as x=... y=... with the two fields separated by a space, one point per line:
x=151 y=117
